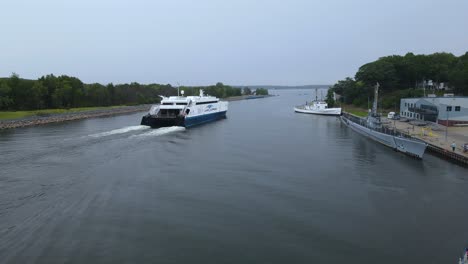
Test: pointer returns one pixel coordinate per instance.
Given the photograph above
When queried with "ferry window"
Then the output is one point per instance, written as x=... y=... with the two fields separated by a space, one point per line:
x=211 y=102
x=449 y=108
x=406 y=104
x=167 y=103
x=457 y=108
x=181 y=103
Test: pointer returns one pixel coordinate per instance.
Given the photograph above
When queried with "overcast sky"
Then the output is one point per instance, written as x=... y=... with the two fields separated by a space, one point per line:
x=239 y=42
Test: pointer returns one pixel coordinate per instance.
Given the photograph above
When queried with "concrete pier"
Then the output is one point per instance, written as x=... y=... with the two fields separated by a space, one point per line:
x=435 y=136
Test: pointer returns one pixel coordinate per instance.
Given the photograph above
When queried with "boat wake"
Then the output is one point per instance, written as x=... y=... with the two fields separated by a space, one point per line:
x=119 y=131
x=159 y=132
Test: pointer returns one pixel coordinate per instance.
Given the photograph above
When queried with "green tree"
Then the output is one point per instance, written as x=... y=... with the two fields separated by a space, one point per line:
x=16 y=93
x=36 y=96
x=261 y=91
x=99 y=95
x=380 y=71
x=112 y=95
x=50 y=82
x=5 y=96
x=330 y=98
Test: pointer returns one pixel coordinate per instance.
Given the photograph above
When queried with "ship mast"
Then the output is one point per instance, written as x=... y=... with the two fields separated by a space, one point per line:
x=376 y=97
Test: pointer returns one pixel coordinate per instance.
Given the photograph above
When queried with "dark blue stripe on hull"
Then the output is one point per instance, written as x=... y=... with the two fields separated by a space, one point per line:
x=198 y=120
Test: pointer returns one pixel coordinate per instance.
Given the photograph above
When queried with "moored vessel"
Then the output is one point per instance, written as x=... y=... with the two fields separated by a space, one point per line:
x=371 y=127
x=185 y=111
x=317 y=107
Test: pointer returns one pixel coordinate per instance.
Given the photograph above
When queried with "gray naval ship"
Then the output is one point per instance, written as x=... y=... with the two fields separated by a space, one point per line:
x=372 y=127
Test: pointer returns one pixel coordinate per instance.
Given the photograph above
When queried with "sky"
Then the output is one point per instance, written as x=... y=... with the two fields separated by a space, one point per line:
x=237 y=42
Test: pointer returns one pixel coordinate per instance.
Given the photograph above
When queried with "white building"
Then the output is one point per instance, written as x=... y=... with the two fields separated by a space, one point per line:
x=443 y=110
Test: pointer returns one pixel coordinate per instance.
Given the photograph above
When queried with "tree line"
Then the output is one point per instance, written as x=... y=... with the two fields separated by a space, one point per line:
x=403 y=76
x=219 y=90
x=63 y=91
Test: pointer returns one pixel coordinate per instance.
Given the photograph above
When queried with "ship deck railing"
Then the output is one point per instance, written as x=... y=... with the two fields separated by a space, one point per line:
x=383 y=129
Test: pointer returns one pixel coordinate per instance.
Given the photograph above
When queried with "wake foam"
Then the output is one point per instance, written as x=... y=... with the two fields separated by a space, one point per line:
x=160 y=131
x=119 y=131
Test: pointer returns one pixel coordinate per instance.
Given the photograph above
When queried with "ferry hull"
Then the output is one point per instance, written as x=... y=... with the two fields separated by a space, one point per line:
x=202 y=119
x=157 y=122
x=404 y=145
x=328 y=111
x=189 y=121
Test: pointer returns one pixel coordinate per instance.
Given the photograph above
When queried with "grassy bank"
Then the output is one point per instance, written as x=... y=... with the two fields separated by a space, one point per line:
x=362 y=112
x=354 y=110
x=7 y=115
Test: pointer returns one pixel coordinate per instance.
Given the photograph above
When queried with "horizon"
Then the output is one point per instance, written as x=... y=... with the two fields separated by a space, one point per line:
x=233 y=42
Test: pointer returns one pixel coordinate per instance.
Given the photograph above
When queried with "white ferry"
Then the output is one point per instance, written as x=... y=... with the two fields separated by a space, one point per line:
x=185 y=111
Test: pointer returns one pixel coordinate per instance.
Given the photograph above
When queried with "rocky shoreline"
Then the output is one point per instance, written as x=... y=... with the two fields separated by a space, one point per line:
x=56 y=118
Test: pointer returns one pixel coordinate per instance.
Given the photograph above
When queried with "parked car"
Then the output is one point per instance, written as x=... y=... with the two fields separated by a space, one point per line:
x=465 y=147
x=396 y=117
x=393 y=115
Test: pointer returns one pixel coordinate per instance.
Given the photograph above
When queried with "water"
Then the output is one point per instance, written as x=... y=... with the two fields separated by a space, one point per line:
x=265 y=185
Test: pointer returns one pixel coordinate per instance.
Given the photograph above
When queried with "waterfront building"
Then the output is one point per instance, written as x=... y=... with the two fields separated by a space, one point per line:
x=447 y=110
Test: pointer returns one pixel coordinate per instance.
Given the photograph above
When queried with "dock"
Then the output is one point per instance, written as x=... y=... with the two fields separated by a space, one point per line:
x=435 y=136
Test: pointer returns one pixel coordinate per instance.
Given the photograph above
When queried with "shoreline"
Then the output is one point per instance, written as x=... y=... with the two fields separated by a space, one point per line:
x=64 y=117
x=245 y=97
x=37 y=120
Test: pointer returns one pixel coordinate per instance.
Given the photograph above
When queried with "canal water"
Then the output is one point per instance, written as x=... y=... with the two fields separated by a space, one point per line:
x=265 y=185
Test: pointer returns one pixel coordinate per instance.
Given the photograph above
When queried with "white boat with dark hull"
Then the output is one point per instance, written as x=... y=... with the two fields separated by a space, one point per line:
x=371 y=127
x=185 y=111
x=318 y=108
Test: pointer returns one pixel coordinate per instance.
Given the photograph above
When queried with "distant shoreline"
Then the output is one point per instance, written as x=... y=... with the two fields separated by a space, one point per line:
x=245 y=97
x=36 y=120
